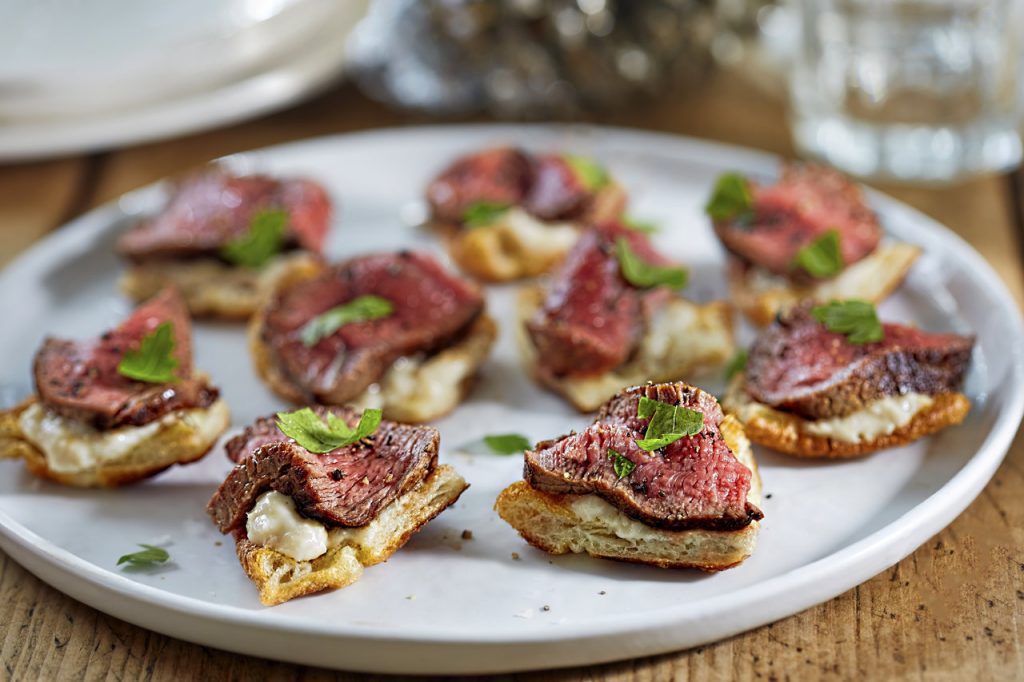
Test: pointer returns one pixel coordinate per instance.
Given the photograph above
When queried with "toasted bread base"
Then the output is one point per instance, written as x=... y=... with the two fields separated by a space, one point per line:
x=871 y=279
x=498 y=253
x=411 y=391
x=685 y=339
x=279 y=578
x=786 y=433
x=212 y=288
x=549 y=522
x=179 y=440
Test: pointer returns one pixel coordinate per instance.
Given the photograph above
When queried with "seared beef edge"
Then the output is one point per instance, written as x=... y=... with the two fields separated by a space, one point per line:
x=314 y=484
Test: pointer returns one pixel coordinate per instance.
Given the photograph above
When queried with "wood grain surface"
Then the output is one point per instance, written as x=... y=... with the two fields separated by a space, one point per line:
x=953 y=610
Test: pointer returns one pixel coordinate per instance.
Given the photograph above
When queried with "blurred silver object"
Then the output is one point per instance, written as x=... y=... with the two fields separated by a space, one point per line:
x=909 y=90
x=533 y=58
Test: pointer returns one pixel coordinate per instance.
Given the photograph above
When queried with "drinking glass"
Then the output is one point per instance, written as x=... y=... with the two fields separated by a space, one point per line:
x=909 y=90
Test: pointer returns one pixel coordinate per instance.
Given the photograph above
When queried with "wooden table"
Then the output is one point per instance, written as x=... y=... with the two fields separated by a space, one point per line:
x=952 y=610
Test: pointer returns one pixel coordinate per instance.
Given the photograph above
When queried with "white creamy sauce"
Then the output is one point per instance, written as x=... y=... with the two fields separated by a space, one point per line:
x=761 y=280
x=536 y=236
x=415 y=381
x=879 y=418
x=433 y=383
x=591 y=509
x=274 y=522
x=71 y=446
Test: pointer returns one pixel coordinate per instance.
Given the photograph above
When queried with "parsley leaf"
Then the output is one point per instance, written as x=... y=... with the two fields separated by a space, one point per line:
x=622 y=466
x=149 y=556
x=644 y=226
x=737 y=364
x=507 y=443
x=153 y=362
x=359 y=309
x=642 y=274
x=822 y=257
x=262 y=242
x=731 y=199
x=309 y=431
x=854 y=318
x=590 y=173
x=483 y=213
x=668 y=423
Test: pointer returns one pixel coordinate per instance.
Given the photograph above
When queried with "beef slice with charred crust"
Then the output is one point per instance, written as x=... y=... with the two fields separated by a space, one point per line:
x=499 y=176
x=806 y=202
x=592 y=319
x=799 y=366
x=344 y=487
x=694 y=482
x=212 y=207
x=431 y=309
x=79 y=379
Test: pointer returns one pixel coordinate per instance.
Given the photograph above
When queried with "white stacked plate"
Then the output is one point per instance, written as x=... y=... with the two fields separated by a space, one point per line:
x=78 y=76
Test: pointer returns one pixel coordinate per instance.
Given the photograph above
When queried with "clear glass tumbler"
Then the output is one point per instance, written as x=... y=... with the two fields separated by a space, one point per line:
x=910 y=90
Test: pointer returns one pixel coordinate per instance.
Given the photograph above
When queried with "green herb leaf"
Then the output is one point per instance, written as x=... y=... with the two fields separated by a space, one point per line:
x=737 y=364
x=640 y=225
x=483 y=213
x=642 y=274
x=262 y=242
x=309 y=431
x=822 y=257
x=507 y=443
x=154 y=361
x=359 y=309
x=590 y=173
x=149 y=556
x=854 y=318
x=731 y=199
x=621 y=465
x=668 y=423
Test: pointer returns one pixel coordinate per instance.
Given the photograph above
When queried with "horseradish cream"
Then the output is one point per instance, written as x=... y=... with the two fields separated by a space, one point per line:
x=878 y=418
x=535 y=236
x=72 y=446
x=592 y=509
x=273 y=522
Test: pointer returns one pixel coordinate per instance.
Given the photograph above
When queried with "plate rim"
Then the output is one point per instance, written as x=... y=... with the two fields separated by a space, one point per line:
x=772 y=599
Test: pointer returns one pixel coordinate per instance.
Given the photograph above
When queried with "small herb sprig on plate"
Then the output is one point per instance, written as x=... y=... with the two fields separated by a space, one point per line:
x=149 y=556
x=507 y=443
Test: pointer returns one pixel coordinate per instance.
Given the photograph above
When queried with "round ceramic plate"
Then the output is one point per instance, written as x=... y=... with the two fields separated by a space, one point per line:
x=491 y=603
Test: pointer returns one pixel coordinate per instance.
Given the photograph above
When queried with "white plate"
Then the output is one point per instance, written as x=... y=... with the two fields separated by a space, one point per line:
x=266 y=73
x=444 y=605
